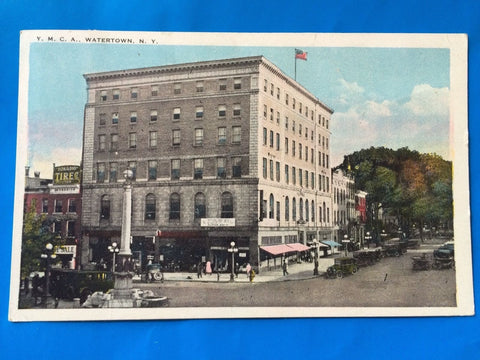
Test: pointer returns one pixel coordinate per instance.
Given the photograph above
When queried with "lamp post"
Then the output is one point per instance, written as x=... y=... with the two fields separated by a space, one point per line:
x=383 y=235
x=233 y=250
x=114 y=250
x=47 y=255
x=315 y=261
x=368 y=237
x=345 y=243
x=125 y=252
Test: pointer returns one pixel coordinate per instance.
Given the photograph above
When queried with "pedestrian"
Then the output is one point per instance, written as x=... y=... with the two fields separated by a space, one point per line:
x=248 y=269
x=252 y=275
x=237 y=268
x=199 y=270
x=285 y=267
x=208 y=268
x=26 y=285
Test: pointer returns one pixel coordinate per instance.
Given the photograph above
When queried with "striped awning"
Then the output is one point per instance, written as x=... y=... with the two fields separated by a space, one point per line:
x=284 y=248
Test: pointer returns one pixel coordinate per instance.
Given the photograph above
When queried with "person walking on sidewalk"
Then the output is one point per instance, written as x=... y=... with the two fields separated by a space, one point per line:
x=199 y=270
x=248 y=269
x=285 y=268
x=208 y=268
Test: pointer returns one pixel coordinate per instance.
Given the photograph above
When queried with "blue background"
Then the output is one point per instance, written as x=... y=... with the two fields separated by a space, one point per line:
x=403 y=338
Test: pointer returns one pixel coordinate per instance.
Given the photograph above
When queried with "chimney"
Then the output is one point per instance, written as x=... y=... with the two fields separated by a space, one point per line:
x=27 y=171
x=37 y=174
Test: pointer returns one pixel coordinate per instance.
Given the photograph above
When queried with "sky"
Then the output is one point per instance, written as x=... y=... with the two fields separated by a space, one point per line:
x=392 y=97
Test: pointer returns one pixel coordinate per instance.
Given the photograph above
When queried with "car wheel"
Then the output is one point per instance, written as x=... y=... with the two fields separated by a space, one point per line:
x=354 y=270
x=157 y=276
x=339 y=274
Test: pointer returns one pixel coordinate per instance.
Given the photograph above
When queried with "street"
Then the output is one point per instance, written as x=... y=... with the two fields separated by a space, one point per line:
x=390 y=282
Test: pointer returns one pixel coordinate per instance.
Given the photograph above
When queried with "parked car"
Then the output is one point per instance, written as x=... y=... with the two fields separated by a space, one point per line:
x=447 y=250
x=342 y=266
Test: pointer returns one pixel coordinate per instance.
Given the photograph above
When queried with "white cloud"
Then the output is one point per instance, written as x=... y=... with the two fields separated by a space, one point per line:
x=426 y=100
x=59 y=156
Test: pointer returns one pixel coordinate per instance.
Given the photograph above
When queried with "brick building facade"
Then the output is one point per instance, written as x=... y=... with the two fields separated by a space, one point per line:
x=229 y=139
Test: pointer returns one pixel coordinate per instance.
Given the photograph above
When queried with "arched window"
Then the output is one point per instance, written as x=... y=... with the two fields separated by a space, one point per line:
x=150 y=207
x=307 y=217
x=287 y=209
x=271 y=205
x=105 y=207
x=200 y=208
x=294 y=209
x=300 y=210
x=227 y=205
x=174 y=206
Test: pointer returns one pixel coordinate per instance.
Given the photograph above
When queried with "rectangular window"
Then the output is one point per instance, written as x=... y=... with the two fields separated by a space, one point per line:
x=237 y=83
x=115 y=118
x=271 y=138
x=277 y=136
x=102 y=119
x=311 y=135
x=286 y=99
x=237 y=109
x=300 y=107
x=116 y=94
x=300 y=177
x=265 y=111
x=265 y=136
x=132 y=165
x=294 y=175
x=71 y=228
x=299 y=129
x=293 y=103
x=293 y=126
x=221 y=167
x=45 y=206
x=176 y=113
x=264 y=168
x=58 y=206
x=271 y=114
x=312 y=177
x=287 y=174
x=199 y=112
x=278 y=117
x=177 y=88
x=72 y=206
x=306 y=153
x=152 y=170
x=277 y=214
x=306 y=178
x=222 y=111
x=152 y=139
x=175 y=169
x=265 y=84
x=132 y=140
x=133 y=117
x=278 y=93
x=326 y=143
x=100 y=172
x=293 y=147
x=277 y=171
x=300 y=151
x=113 y=172
x=327 y=124
x=198 y=137
x=312 y=157
x=286 y=145
x=198 y=169
x=176 y=137
x=114 y=142
x=326 y=162
x=134 y=93
x=153 y=115
x=236 y=134
x=103 y=95
x=154 y=90
x=306 y=133
x=222 y=84
x=199 y=86
x=327 y=181
x=236 y=167
x=101 y=142
x=286 y=122
x=319 y=158
x=271 y=169
x=222 y=135
x=271 y=89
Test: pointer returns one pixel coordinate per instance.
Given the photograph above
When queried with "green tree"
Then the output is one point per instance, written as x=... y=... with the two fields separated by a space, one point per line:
x=36 y=234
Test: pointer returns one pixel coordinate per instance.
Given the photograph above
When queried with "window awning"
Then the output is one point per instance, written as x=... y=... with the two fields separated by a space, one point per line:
x=276 y=249
x=298 y=247
x=331 y=243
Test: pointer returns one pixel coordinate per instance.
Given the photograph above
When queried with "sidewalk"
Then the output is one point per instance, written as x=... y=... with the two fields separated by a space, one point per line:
x=296 y=271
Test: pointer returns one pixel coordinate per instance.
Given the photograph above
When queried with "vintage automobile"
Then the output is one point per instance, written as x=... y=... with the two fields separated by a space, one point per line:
x=342 y=266
x=392 y=249
x=70 y=284
x=366 y=257
x=421 y=262
x=447 y=250
x=153 y=272
x=443 y=263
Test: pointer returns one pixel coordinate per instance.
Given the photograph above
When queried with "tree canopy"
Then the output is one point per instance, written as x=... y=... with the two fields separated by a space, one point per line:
x=415 y=188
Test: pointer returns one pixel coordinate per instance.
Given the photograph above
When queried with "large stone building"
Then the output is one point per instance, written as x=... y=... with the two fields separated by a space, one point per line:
x=222 y=151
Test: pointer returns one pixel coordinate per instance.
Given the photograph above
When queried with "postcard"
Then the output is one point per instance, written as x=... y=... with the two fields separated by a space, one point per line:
x=241 y=175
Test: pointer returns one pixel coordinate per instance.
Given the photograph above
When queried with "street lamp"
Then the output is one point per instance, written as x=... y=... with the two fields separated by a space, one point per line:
x=233 y=250
x=345 y=243
x=368 y=237
x=383 y=235
x=315 y=267
x=47 y=255
x=114 y=250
